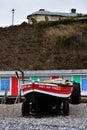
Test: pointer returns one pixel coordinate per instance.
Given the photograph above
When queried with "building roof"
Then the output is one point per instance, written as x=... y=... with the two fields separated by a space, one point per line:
x=45 y=72
x=56 y=72
x=45 y=12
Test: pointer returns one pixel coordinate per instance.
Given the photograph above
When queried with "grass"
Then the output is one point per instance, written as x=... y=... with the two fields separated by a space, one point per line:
x=44 y=46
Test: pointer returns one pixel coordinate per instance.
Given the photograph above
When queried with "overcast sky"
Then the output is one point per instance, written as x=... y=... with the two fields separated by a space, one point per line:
x=25 y=7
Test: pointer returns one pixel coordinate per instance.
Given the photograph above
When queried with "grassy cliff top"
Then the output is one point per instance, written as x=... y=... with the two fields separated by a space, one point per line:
x=43 y=46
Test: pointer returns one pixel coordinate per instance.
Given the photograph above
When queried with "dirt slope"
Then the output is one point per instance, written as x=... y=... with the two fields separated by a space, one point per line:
x=41 y=46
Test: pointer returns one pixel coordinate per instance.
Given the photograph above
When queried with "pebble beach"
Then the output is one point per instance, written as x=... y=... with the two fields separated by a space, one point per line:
x=11 y=119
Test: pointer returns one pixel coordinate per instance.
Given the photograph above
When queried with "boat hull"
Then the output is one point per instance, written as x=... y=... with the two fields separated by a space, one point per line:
x=61 y=91
x=40 y=103
x=45 y=97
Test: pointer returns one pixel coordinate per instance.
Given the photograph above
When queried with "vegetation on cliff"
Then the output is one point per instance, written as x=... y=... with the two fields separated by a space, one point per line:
x=43 y=46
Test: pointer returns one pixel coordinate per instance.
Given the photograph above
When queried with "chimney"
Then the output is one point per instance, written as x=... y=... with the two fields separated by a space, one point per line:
x=73 y=11
x=41 y=9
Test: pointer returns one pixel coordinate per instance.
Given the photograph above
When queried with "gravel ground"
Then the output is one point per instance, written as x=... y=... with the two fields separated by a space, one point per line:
x=11 y=119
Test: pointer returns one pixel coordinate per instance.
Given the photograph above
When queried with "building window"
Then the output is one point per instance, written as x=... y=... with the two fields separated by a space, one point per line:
x=32 y=16
x=66 y=77
x=84 y=83
x=4 y=84
x=53 y=18
x=43 y=78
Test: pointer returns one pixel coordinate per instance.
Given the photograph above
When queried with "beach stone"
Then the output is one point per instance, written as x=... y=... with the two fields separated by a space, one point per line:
x=11 y=119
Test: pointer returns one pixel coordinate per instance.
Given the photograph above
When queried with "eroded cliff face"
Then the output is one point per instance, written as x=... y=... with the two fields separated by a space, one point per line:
x=40 y=47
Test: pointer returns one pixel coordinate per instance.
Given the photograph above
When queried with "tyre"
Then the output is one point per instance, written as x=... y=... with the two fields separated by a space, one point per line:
x=65 y=108
x=25 y=108
x=76 y=96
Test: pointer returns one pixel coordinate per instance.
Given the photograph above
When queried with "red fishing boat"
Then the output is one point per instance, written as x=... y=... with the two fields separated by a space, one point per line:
x=49 y=96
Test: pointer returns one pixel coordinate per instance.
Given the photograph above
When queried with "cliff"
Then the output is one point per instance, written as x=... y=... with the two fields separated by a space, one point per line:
x=43 y=46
